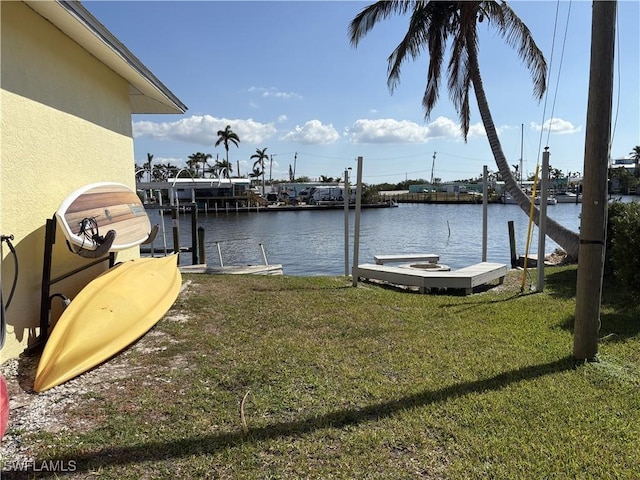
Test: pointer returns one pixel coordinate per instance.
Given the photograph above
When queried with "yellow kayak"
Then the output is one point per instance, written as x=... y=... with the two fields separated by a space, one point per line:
x=110 y=313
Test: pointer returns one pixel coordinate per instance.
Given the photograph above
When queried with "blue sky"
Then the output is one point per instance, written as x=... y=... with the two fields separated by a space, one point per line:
x=284 y=76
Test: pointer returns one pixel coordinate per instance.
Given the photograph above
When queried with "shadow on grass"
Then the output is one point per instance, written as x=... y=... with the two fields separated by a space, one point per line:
x=451 y=292
x=210 y=443
x=462 y=307
x=617 y=326
x=561 y=283
x=621 y=319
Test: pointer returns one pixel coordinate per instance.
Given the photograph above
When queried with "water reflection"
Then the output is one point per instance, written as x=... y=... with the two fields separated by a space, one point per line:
x=312 y=243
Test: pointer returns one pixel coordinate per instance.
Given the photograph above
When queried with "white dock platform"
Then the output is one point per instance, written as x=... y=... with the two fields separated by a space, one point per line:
x=415 y=257
x=275 y=269
x=466 y=278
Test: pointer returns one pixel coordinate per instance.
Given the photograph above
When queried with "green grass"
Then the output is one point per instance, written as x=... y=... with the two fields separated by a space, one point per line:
x=367 y=382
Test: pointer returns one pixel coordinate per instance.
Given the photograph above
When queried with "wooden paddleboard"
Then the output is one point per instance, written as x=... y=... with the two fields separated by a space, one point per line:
x=110 y=313
x=113 y=206
x=4 y=407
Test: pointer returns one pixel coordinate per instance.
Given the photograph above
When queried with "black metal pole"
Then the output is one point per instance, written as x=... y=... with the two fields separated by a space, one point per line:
x=194 y=233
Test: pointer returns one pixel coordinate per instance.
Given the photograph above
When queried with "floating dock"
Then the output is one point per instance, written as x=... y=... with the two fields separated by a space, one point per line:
x=275 y=269
x=466 y=278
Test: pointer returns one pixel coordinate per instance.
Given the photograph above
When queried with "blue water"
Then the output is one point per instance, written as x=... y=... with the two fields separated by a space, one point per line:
x=312 y=242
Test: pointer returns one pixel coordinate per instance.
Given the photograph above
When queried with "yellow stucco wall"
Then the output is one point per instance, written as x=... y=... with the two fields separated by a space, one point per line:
x=65 y=122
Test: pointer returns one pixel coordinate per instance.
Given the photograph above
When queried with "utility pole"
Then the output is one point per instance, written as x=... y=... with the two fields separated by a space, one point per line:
x=593 y=223
x=433 y=165
x=270 y=170
x=295 y=160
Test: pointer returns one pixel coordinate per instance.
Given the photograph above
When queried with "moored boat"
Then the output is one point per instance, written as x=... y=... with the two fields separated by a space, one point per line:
x=550 y=201
x=568 y=197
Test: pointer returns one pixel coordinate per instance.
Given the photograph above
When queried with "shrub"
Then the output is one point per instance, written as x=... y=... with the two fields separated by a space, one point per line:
x=623 y=243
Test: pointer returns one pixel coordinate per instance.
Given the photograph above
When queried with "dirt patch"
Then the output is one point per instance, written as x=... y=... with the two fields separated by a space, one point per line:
x=52 y=411
x=559 y=257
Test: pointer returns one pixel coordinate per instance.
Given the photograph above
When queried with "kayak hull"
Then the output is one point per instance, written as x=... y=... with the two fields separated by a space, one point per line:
x=110 y=313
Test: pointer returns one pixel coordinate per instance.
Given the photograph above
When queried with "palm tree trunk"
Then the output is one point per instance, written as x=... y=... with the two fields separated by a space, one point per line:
x=564 y=237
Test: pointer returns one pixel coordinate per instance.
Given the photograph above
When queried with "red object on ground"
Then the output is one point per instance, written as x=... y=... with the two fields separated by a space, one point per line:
x=4 y=407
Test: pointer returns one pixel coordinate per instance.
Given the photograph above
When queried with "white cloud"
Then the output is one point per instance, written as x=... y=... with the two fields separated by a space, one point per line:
x=203 y=130
x=443 y=127
x=386 y=131
x=389 y=130
x=282 y=118
x=274 y=93
x=312 y=132
x=556 y=125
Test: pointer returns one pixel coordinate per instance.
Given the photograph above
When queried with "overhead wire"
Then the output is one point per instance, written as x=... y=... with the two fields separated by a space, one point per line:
x=546 y=98
x=546 y=95
x=555 y=96
x=615 y=121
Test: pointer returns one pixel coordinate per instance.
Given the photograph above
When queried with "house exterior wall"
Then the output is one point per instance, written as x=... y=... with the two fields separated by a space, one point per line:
x=65 y=122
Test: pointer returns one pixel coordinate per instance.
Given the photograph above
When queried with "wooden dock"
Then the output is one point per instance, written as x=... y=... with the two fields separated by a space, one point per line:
x=275 y=269
x=466 y=278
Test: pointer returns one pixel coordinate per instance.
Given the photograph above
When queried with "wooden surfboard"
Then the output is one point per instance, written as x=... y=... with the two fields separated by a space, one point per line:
x=4 y=407
x=97 y=208
x=110 y=313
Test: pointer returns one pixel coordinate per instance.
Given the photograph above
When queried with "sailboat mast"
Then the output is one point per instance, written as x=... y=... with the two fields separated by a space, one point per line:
x=521 y=150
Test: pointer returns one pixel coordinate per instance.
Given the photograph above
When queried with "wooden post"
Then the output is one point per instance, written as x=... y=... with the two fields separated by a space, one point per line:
x=512 y=244
x=345 y=195
x=356 y=228
x=485 y=203
x=542 y=223
x=593 y=222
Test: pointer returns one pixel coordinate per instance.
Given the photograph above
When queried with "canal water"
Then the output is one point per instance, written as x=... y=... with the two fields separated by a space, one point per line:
x=309 y=243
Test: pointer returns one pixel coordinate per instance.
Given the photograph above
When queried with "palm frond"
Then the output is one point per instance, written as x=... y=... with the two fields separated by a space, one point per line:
x=372 y=14
x=518 y=35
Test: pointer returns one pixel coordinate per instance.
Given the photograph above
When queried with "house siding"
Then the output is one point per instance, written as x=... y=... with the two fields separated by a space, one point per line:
x=65 y=122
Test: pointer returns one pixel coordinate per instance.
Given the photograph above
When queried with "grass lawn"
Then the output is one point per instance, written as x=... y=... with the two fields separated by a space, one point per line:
x=368 y=382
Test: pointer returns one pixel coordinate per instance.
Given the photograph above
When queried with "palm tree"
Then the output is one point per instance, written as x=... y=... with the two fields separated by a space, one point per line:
x=193 y=165
x=199 y=158
x=147 y=166
x=223 y=167
x=256 y=172
x=432 y=25
x=167 y=170
x=225 y=136
x=261 y=156
x=635 y=154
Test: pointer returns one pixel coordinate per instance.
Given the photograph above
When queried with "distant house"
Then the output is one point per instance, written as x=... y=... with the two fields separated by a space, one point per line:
x=205 y=192
x=68 y=90
x=620 y=183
